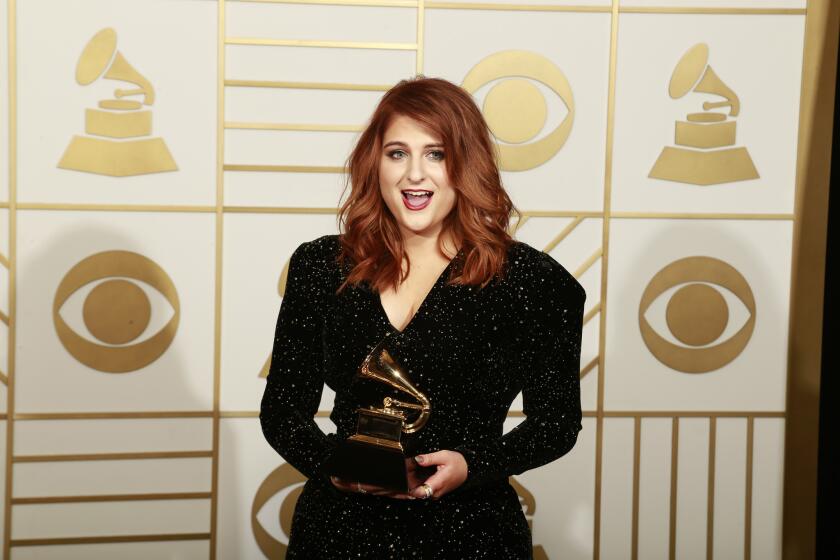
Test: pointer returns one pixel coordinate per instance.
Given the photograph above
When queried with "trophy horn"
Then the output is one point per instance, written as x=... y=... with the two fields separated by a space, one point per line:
x=380 y=366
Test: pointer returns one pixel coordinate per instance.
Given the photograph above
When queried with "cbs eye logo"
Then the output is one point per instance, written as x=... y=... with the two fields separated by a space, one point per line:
x=116 y=311
x=697 y=314
x=515 y=108
x=283 y=478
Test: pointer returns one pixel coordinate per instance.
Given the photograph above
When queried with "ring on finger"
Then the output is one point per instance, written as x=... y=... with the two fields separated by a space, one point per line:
x=360 y=489
x=428 y=492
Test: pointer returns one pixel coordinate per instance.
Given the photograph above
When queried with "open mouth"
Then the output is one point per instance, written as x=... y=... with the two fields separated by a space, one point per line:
x=416 y=199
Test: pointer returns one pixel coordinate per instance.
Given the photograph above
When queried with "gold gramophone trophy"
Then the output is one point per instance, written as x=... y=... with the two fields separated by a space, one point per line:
x=377 y=454
x=112 y=148
x=703 y=154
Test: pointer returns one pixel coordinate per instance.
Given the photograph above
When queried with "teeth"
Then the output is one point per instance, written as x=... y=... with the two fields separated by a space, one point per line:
x=417 y=193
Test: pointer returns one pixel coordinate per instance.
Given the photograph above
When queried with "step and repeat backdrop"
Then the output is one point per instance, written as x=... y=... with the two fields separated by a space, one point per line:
x=163 y=158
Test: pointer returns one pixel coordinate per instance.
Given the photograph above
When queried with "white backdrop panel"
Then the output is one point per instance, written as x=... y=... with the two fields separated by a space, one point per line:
x=578 y=45
x=318 y=22
x=760 y=251
x=318 y=64
x=288 y=147
x=183 y=550
x=299 y=106
x=692 y=488
x=51 y=243
x=39 y=437
x=654 y=488
x=113 y=518
x=132 y=476
x=4 y=102
x=730 y=487
x=152 y=37
x=768 y=483
x=257 y=249
x=765 y=74
x=258 y=188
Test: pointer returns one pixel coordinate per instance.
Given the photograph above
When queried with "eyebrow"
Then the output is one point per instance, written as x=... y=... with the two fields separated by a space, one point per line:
x=399 y=143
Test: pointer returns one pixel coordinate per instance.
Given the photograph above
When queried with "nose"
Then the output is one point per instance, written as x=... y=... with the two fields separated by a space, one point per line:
x=416 y=170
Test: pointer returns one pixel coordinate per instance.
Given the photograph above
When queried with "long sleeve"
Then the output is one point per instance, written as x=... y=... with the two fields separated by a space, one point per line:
x=295 y=380
x=550 y=356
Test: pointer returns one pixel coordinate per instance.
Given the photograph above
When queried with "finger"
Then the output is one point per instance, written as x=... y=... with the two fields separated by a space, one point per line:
x=439 y=482
x=429 y=459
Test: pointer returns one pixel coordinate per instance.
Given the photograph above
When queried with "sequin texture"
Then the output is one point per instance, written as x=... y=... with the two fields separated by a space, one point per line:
x=471 y=351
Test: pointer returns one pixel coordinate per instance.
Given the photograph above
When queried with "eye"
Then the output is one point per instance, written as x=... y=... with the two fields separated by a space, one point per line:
x=393 y=154
x=516 y=109
x=437 y=155
x=115 y=301
x=698 y=295
x=275 y=501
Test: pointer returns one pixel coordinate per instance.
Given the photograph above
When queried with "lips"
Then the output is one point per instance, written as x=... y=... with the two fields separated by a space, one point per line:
x=416 y=199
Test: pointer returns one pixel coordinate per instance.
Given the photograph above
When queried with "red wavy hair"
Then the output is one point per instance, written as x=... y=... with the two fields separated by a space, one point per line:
x=371 y=241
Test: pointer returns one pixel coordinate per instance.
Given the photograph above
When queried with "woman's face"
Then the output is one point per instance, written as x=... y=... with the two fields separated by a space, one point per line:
x=413 y=178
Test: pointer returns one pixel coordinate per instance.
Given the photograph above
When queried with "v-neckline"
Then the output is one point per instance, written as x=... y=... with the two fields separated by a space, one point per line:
x=422 y=306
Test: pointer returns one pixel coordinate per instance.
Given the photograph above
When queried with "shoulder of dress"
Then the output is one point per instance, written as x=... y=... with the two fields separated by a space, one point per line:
x=535 y=273
x=318 y=256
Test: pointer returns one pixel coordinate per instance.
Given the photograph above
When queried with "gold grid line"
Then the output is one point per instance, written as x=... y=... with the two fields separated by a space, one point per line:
x=11 y=22
x=375 y=3
x=591 y=313
x=722 y=11
x=310 y=127
x=515 y=7
x=587 y=264
x=673 y=414
x=306 y=85
x=563 y=234
x=710 y=500
x=112 y=415
x=140 y=455
x=672 y=513
x=637 y=452
x=748 y=487
x=252 y=41
x=605 y=243
x=115 y=207
x=4 y=379
x=421 y=22
x=703 y=215
x=161 y=496
x=217 y=295
x=4 y=260
x=4 y=317
x=112 y=539
x=589 y=367
x=269 y=168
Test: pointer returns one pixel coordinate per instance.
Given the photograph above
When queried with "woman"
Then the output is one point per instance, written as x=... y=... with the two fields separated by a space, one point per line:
x=474 y=316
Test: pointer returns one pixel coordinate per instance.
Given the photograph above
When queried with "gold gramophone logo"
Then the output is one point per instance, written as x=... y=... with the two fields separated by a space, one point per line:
x=705 y=152
x=116 y=144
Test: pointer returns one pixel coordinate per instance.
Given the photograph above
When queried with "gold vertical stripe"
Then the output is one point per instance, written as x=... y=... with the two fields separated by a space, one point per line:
x=672 y=515
x=748 y=491
x=421 y=24
x=710 y=506
x=11 y=23
x=637 y=451
x=599 y=421
x=813 y=166
x=217 y=318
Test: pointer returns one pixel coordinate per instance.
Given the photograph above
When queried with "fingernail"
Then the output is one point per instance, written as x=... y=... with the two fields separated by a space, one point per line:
x=420 y=459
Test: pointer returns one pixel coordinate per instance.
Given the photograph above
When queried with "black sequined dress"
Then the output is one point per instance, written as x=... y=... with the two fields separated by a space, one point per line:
x=471 y=351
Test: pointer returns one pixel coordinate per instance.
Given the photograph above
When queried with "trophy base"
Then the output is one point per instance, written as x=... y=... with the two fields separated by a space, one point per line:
x=369 y=464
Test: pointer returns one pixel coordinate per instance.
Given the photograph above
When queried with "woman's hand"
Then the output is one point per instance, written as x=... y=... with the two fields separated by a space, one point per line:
x=451 y=473
x=415 y=478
